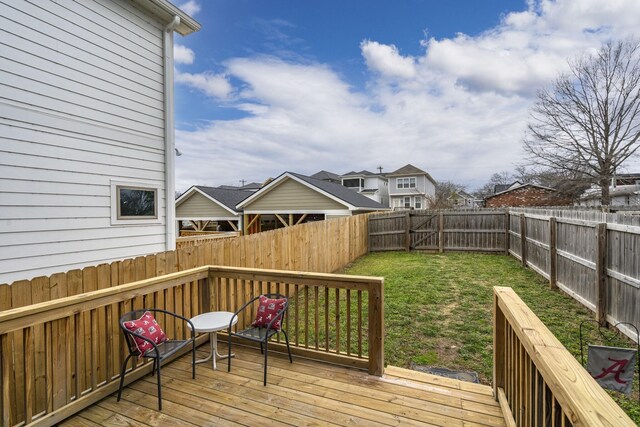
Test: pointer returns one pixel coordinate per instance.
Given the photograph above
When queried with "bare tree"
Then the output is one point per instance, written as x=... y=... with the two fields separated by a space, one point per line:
x=588 y=122
x=445 y=191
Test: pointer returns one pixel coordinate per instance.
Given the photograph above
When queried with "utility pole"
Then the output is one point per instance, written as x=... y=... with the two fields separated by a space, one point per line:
x=379 y=169
x=242 y=181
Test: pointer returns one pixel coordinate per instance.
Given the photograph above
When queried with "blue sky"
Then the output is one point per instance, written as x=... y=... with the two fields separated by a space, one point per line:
x=267 y=87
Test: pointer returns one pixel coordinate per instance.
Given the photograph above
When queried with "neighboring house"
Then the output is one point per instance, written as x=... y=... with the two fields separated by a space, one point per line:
x=499 y=188
x=206 y=206
x=462 y=199
x=292 y=199
x=369 y=184
x=621 y=195
x=410 y=188
x=327 y=176
x=526 y=195
x=86 y=132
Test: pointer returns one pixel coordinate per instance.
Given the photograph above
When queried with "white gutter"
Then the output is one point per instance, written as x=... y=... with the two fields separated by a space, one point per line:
x=169 y=135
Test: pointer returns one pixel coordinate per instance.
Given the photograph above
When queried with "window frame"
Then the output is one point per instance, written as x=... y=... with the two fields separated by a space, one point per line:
x=118 y=219
x=408 y=182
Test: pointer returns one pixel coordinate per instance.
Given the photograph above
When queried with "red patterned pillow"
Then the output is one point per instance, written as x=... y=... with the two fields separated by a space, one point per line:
x=267 y=310
x=146 y=326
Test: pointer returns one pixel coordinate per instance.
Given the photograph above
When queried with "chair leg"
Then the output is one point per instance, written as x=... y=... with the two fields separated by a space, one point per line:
x=266 y=347
x=261 y=349
x=159 y=389
x=193 y=358
x=124 y=367
x=153 y=369
x=286 y=339
x=228 y=358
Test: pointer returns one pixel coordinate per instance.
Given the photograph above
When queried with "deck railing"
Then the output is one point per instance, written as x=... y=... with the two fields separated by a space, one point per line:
x=60 y=356
x=536 y=379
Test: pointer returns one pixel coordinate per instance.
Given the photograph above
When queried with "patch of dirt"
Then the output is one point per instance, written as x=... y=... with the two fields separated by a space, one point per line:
x=447 y=351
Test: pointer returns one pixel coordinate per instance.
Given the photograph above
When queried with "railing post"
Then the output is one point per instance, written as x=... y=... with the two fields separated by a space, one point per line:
x=441 y=232
x=553 y=253
x=498 y=346
x=376 y=328
x=523 y=239
x=601 y=273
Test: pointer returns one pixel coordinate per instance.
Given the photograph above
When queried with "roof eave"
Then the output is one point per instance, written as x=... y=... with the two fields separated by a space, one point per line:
x=166 y=11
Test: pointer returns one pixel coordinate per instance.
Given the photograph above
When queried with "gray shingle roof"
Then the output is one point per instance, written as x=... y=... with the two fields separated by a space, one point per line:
x=326 y=176
x=341 y=192
x=228 y=197
x=408 y=170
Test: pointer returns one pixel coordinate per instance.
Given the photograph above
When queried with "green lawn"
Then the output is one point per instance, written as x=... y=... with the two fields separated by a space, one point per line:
x=438 y=310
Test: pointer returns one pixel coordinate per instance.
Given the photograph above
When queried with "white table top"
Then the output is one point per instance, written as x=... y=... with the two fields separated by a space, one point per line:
x=213 y=321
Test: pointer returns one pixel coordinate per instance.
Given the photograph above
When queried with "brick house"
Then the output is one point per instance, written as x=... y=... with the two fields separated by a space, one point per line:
x=527 y=195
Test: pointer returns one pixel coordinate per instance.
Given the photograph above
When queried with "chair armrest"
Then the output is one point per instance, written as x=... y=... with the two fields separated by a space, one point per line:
x=177 y=316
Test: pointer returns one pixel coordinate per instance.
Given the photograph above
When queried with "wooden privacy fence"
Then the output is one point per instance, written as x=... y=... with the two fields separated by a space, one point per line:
x=60 y=356
x=323 y=246
x=598 y=264
x=477 y=231
x=536 y=379
x=193 y=240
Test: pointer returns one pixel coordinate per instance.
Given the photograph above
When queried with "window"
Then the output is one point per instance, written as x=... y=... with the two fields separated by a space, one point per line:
x=353 y=183
x=137 y=203
x=418 y=202
x=407 y=202
x=406 y=182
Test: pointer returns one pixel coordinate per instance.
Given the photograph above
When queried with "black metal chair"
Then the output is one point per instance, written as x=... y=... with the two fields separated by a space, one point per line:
x=260 y=334
x=158 y=352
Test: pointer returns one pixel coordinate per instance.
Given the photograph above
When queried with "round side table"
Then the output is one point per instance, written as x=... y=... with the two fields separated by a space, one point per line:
x=211 y=323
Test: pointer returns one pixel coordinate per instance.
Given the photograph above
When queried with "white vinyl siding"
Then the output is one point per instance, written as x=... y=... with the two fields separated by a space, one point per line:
x=81 y=105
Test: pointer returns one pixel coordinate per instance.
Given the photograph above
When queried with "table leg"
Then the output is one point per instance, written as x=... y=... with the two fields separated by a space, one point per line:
x=206 y=359
x=213 y=341
x=218 y=355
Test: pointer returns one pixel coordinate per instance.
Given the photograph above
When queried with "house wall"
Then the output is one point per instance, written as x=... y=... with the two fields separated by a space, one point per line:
x=81 y=106
x=424 y=187
x=382 y=196
x=198 y=206
x=527 y=196
x=290 y=195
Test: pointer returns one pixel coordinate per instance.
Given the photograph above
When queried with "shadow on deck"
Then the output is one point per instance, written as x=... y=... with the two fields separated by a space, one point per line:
x=303 y=393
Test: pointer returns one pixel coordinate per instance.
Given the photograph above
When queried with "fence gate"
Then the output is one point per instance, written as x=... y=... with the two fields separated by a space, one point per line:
x=424 y=231
x=388 y=232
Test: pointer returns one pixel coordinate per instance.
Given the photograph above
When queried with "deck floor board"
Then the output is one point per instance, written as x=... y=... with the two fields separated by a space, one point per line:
x=305 y=393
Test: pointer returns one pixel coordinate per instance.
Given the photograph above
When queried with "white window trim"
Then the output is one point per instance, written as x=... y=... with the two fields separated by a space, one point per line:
x=134 y=221
x=400 y=182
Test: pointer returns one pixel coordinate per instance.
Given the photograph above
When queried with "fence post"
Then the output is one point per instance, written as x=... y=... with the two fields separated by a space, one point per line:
x=441 y=232
x=523 y=239
x=553 y=253
x=376 y=327
x=407 y=231
x=507 y=238
x=601 y=273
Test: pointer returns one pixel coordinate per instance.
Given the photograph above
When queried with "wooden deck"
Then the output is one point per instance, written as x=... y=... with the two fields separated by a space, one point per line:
x=302 y=393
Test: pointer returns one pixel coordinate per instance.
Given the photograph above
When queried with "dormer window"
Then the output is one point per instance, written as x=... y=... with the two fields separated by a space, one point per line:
x=406 y=182
x=353 y=183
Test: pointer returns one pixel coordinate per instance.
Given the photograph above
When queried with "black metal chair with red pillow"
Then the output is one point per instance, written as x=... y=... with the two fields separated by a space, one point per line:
x=146 y=339
x=268 y=322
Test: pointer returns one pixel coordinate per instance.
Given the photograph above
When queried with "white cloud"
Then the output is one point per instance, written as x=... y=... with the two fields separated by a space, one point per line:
x=458 y=110
x=183 y=55
x=386 y=60
x=190 y=8
x=215 y=85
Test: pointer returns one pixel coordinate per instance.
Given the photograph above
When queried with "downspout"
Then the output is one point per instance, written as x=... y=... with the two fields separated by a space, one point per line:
x=169 y=135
